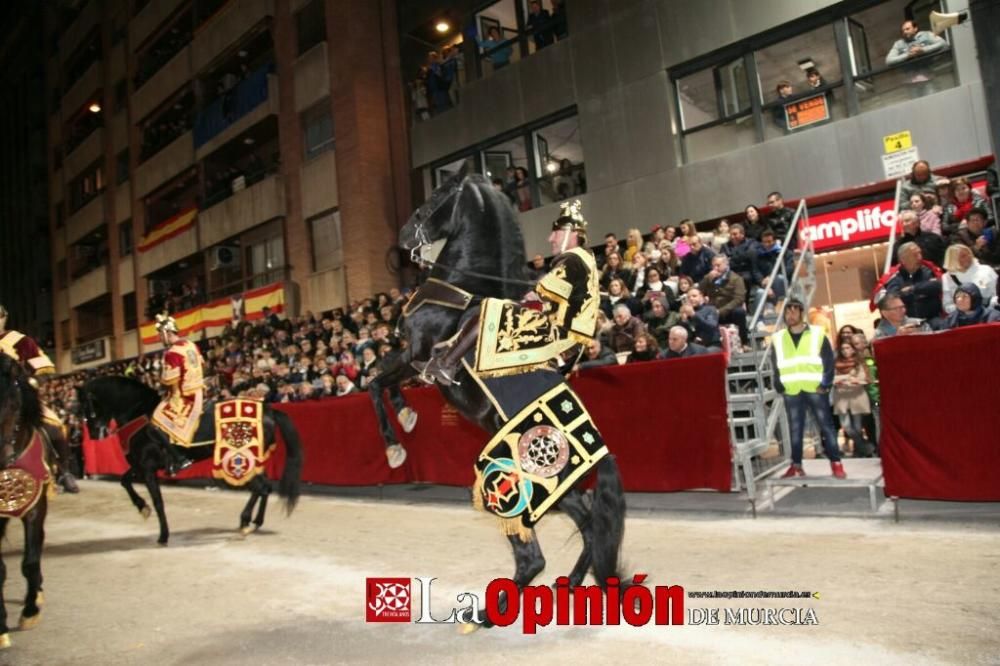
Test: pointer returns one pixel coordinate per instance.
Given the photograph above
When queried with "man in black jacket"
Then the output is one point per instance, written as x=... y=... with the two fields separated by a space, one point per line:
x=916 y=283
x=931 y=245
x=597 y=355
x=678 y=345
x=701 y=319
x=742 y=253
x=780 y=219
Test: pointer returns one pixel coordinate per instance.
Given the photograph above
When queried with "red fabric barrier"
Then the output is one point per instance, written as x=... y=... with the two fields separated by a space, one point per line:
x=664 y=420
x=939 y=436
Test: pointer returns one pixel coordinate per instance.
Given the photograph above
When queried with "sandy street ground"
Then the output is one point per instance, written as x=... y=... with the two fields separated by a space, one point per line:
x=909 y=594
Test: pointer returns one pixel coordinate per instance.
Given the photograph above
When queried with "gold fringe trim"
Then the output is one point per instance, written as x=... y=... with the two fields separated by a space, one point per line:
x=477 y=491
x=514 y=526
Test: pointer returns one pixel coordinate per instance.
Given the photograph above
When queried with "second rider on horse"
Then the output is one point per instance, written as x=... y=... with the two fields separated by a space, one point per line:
x=177 y=417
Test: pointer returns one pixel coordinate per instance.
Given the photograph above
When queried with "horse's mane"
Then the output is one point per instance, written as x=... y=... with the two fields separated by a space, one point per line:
x=14 y=378
x=495 y=206
x=120 y=385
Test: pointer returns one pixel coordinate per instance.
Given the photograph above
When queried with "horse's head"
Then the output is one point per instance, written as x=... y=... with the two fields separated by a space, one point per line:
x=434 y=220
x=117 y=398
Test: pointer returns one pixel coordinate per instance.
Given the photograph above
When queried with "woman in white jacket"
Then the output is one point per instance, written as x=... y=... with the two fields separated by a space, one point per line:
x=962 y=267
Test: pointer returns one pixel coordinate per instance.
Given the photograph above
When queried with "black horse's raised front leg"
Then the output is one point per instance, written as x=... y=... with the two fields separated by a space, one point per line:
x=393 y=370
x=129 y=478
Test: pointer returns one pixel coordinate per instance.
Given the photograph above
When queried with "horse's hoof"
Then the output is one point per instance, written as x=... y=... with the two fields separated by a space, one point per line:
x=28 y=623
x=466 y=628
x=39 y=598
x=396 y=455
x=146 y=512
x=408 y=419
x=4 y=641
x=248 y=530
x=161 y=542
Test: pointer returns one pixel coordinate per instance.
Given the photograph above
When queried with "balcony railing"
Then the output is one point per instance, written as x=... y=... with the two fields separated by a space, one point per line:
x=232 y=105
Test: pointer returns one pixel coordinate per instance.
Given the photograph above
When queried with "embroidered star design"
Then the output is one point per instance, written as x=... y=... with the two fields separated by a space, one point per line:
x=566 y=406
x=588 y=438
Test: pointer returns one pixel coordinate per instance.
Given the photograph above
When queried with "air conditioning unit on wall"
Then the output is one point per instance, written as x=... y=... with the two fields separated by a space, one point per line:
x=225 y=256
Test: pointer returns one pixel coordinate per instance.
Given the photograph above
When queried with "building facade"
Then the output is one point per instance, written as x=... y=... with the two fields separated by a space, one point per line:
x=652 y=111
x=200 y=149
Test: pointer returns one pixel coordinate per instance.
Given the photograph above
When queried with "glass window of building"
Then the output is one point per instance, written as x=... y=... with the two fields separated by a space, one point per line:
x=327 y=246
x=130 y=310
x=559 y=161
x=799 y=78
x=317 y=129
x=125 y=238
x=497 y=36
x=885 y=71
x=266 y=261
x=121 y=167
x=510 y=161
x=310 y=24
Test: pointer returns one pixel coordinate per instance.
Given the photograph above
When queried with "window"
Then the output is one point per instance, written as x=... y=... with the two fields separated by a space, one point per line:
x=131 y=313
x=121 y=167
x=85 y=187
x=125 y=238
x=510 y=162
x=445 y=171
x=772 y=85
x=60 y=215
x=317 y=129
x=121 y=95
x=64 y=334
x=62 y=274
x=266 y=260
x=328 y=250
x=559 y=161
x=310 y=25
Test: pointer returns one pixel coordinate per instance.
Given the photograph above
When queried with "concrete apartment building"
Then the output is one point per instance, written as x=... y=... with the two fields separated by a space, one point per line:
x=217 y=146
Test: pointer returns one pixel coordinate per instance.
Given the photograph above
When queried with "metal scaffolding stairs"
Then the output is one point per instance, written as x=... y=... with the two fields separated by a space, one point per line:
x=758 y=426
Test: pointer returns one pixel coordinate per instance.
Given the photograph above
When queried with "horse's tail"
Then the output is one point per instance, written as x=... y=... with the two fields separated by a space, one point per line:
x=289 y=486
x=607 y=520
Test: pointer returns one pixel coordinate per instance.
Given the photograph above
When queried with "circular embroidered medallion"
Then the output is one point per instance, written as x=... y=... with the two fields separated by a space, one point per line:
x=238 y=464
x=543 y=450
x=17 y=490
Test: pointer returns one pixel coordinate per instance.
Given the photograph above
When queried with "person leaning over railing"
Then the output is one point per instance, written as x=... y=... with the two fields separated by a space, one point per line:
x=913 y=44
x=970 y=309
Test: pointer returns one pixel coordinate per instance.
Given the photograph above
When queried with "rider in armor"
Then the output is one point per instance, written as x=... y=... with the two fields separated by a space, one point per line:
x=176 y=418
x=36 y=362
x=569 y=294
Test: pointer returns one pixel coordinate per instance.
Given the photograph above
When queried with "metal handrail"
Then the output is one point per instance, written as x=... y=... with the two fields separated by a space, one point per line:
x=779 y=264
x=892 y=232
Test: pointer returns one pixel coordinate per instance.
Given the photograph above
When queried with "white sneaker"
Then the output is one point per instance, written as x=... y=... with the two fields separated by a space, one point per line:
x=396 y=455
x=407 y=418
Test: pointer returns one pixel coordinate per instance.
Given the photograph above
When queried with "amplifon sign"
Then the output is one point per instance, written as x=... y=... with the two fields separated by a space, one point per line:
x=850 y=226
x=868 y=223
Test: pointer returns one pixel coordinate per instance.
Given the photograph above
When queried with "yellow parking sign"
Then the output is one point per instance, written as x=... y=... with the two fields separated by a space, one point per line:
x=896 y=142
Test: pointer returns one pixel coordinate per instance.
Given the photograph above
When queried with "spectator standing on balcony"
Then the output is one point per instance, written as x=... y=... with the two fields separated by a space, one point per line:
x=784 y=94
x=701 y=319
x=539 y=24
x=453 y=60
x=913 y=44
x=560 y=26
x=805 y=364
x=495 y=50
x=970 y=309
x=697 y=263
x=982 y=241
x=522 y=189
x=727 y=292
x=931 y=245
x=439 y=83
x=418 y=93
x=963 y=268
x=780 y=219
x=815 y=80
x=678 y=345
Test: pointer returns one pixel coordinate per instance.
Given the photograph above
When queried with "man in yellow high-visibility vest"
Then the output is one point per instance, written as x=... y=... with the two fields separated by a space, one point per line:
x=804 y=364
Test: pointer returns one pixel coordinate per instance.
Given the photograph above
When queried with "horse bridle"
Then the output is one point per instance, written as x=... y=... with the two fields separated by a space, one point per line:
x=423 y=240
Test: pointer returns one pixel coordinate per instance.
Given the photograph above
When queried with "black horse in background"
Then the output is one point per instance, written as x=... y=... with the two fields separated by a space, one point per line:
x=125 y=400
x=483 y=254
x=20 y=419
x=489 y=263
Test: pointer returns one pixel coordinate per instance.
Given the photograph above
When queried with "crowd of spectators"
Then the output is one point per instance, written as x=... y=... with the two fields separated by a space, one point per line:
x=175 y=298
x=162 y=132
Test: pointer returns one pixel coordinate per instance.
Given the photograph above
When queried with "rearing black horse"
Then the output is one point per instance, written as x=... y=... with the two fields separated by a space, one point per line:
x=483 y=254
x=125 y=400
x=20 y=420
